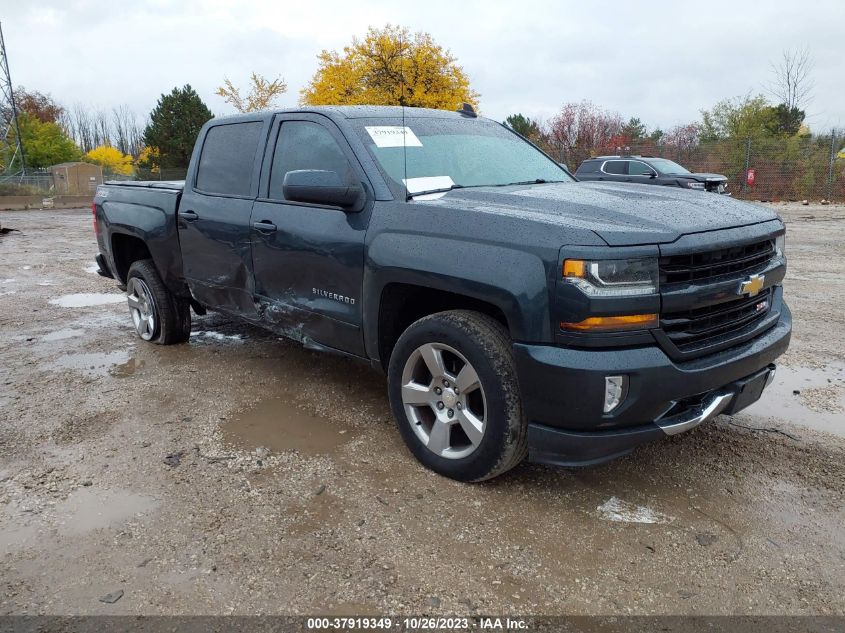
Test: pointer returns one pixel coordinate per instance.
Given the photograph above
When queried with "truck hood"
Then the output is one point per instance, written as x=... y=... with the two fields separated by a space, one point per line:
x=620 y=215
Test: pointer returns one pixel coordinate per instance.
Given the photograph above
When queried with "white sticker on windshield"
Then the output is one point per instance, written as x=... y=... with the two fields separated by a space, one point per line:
x=427 y=183
x=391 y=136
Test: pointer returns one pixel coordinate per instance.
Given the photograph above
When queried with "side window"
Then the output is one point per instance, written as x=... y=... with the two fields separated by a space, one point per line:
x=616 y=167
x=228 y=157
x=305 y=145
x=636 y=168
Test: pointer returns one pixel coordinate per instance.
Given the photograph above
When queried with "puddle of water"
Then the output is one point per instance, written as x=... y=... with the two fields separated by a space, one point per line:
x=780 y=401
x=124 y=370
x=85 y=510
x=64 y=333
x=86 y=299
x=92 y=364
x=281 y=426
x=619 y=511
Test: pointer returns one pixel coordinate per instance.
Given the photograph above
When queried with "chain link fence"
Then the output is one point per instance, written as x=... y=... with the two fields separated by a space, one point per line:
x=808 y=168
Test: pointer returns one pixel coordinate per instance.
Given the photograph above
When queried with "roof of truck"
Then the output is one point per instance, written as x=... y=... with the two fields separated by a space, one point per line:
x=360 y=112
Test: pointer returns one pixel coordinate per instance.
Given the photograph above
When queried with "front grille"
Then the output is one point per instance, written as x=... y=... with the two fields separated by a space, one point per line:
x=700 y=328
x=702 y=267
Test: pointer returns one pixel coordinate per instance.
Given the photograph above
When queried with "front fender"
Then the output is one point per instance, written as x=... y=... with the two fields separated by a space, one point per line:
x=514 y=281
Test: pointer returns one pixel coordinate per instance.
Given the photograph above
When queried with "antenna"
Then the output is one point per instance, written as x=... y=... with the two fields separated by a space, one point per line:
x=10 y=112
x=402 y=105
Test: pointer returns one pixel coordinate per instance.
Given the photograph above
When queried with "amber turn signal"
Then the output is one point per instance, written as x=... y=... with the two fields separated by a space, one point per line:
x=612 y=323
x=574 y=268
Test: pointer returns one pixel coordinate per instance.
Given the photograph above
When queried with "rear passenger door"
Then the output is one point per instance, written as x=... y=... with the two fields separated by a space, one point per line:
x=214 y=228
x=309 y=258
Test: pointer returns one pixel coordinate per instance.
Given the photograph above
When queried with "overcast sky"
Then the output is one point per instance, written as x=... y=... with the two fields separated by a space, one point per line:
x=660 y=61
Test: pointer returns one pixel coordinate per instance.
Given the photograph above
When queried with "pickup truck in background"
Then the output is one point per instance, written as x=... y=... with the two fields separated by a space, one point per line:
x=516 y=311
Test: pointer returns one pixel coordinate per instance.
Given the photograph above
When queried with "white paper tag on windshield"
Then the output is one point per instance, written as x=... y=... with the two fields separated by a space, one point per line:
x=391 y=136
x=427 y=183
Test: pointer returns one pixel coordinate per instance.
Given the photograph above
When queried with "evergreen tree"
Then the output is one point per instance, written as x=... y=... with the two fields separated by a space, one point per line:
x=174 y=125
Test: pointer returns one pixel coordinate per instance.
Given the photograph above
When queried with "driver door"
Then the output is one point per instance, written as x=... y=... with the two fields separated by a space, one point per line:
x=308 y=259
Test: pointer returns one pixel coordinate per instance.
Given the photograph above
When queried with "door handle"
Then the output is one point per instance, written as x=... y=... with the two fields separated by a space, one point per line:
x=264 y=226
x=189 y=216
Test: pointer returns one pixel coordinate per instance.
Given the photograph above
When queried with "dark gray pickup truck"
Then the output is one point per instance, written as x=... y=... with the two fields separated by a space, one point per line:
x=516 y=311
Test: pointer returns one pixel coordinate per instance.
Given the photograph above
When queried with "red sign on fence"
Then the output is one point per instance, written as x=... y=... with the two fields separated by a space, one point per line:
x=750 y=177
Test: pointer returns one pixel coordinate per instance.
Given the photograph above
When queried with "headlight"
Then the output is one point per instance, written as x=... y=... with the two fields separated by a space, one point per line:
x=780 y=245
x=612 y=277
x=695 y=185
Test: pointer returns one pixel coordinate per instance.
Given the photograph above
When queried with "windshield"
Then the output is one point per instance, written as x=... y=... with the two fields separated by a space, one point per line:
x=442 y=153
x=665 y=166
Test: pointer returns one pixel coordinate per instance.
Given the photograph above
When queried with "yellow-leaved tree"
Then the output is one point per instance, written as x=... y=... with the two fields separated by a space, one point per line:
x=149 y=162
x=390 y=66
x=262 y=94
x=111 y=159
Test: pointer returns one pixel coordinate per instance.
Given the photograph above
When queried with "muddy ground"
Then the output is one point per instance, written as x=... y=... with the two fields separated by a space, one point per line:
x=242 y=474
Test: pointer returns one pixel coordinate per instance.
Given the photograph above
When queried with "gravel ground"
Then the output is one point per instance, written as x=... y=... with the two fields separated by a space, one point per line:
x=243 y=474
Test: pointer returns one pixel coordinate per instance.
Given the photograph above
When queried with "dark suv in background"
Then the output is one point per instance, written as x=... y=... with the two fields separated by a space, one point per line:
x=649 y=170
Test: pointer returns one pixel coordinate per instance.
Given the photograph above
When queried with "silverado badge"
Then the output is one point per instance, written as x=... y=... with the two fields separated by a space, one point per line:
x=752 y=285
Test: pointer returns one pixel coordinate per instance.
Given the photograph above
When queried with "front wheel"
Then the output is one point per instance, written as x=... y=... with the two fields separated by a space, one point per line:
x=454 y=394
x=158 y=316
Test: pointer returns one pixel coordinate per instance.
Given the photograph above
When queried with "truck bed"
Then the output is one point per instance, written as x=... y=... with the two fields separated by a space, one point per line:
x=175 y=185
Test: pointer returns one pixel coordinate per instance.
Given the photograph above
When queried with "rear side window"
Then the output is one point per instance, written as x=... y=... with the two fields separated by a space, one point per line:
x=228 y=157
x=305 y=145
x=618 y=167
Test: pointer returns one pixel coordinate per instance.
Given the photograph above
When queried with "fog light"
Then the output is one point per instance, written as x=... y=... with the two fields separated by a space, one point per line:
x=615 y=390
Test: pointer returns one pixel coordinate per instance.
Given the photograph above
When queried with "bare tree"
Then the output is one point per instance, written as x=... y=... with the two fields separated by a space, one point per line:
x=792 y=84
x=83 y=127
x=262 y=93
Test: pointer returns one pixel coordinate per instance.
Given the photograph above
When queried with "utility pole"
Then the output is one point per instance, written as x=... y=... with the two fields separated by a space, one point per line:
x=10 y=110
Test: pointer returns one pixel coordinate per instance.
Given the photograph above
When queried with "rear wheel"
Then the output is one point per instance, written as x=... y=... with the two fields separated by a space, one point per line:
x=158 y=316
x=455 y=397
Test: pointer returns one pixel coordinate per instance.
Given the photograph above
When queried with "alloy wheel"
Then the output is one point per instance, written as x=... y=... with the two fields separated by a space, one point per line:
x=444 y=400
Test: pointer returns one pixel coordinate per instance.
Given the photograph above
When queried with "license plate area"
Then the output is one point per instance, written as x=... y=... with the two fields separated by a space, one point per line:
x=748 y=391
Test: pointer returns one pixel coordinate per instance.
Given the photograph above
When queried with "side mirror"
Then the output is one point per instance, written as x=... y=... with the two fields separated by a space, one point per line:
x=319 y=186
x=652 y=174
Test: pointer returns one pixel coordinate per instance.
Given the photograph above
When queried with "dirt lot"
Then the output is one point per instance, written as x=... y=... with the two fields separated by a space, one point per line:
x=242 y=474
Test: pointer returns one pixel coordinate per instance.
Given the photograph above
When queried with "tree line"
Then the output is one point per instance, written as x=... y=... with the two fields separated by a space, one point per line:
x=393 y=66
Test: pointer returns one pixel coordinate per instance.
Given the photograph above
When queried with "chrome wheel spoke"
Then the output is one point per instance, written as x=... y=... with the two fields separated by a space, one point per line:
x=433 y=359
x=438 y=438
x=134 y=303
x=467 y=379
x=416 y=394
x=472 y=426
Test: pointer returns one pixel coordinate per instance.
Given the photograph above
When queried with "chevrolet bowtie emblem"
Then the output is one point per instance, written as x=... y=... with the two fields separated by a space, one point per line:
x=752 y=286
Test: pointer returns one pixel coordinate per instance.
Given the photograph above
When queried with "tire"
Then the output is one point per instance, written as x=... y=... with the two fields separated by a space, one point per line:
x=159 y=316
x=423 y=403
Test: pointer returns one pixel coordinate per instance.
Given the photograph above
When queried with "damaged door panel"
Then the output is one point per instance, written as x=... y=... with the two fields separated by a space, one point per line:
x=308 y=259
x=214 y=215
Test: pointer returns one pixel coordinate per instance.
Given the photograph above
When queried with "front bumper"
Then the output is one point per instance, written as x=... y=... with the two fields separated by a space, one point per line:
x=563 y=391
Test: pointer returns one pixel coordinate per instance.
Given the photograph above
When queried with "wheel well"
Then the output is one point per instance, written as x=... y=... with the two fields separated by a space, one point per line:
x=127 y=249
x=402 y=304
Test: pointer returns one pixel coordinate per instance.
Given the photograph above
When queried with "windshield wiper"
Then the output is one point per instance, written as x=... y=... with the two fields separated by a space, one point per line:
x=536 y=181
x=411 y=196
